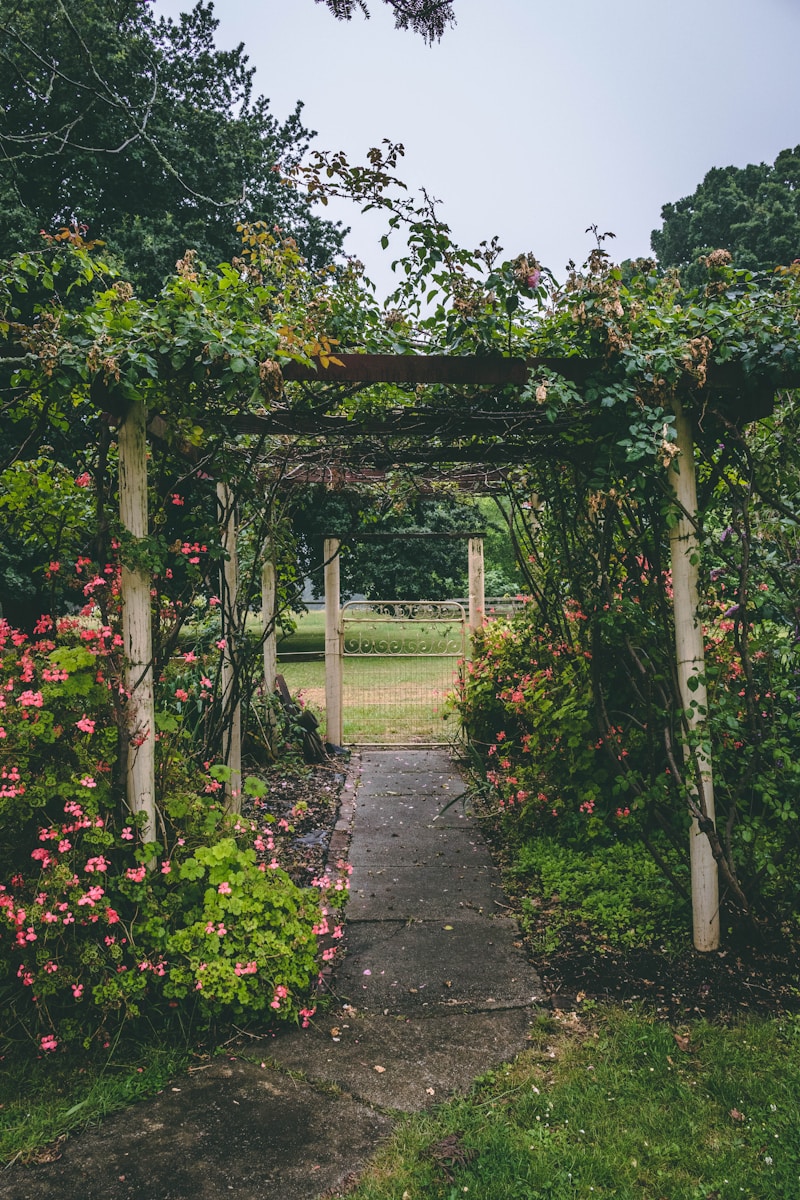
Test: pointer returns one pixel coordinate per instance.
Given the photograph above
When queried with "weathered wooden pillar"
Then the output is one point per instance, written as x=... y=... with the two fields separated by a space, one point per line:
x=137 y=632
x=269 y=638
x=477 y=598
x=231 y=704
x=333 y=647
x=690 y=653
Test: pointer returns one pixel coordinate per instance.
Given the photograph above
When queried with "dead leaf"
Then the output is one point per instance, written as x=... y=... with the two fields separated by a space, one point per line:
x=450 y=1153
x=51 y=1153
x=736 y=1115
x=682 y=1041
x=335 y=1031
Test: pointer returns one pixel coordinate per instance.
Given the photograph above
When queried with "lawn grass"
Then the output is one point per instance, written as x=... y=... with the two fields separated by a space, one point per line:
x=308 y=637
x=614 y=1105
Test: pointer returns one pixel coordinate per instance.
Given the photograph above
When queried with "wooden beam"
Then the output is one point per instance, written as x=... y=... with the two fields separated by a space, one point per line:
x=231 y=703
x=411 y=368
x=750 y=396
x=333 y=644
x=477 y=599
x=270 y=638
x=448 y=535
x=137 y=634
x=690 y=656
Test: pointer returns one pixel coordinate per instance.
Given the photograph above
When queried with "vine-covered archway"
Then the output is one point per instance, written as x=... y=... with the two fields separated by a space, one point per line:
x=243 y=371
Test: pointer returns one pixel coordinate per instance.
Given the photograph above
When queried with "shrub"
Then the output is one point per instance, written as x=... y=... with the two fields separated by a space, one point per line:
x=97 y=929
x=570 y=746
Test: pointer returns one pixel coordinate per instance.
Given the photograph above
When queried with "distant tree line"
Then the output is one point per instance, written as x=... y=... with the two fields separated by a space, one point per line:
x=753 y=212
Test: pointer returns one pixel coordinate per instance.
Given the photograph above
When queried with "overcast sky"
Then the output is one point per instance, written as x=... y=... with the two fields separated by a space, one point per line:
x=533 y=119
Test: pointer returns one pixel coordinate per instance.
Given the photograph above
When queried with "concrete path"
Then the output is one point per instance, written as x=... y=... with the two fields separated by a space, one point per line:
x=433 y=990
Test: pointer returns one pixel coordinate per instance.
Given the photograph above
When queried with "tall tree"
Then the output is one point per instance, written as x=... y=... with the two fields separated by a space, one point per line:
x=428 y=17
x=143 y=130
x=753 y=212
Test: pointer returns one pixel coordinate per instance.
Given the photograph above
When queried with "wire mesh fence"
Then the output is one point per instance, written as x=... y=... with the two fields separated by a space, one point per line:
x=400 y=663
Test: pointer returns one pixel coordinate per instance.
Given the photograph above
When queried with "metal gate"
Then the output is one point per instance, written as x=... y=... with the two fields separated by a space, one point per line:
x=400 y=660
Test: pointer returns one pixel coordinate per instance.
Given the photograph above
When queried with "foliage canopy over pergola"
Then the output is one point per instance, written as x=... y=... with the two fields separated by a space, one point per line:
x=264 y=364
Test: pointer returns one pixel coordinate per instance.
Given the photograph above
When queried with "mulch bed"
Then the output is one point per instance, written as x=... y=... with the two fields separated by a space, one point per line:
x=756 y=978
x=307 y=799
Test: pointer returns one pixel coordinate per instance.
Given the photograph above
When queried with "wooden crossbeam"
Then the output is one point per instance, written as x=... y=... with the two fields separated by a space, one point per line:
x=412 y=368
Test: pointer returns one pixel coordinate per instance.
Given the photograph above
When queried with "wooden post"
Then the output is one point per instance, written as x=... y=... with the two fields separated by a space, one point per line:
x=137 y=632
x=477 y=598
x=690 y=653
x=270 y=638
x=231 y=704
x=333 y=648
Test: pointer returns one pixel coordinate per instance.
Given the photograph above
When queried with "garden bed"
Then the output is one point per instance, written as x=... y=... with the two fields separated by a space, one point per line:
x=307 y=798
x=758 y=978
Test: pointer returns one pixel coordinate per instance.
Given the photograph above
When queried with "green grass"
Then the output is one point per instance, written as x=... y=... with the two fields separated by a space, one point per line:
x=43 y=1100
x=308 y=637
x=397 y=698
x=615 y=1110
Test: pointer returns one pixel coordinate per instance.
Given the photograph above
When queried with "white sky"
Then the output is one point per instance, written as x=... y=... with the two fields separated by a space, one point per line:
x=533 y=119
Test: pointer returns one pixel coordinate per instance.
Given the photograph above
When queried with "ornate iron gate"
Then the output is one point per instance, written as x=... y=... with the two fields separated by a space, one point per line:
x=401 y=659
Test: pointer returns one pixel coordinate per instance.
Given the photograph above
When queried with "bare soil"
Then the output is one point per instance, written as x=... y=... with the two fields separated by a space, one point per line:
x=757 y=976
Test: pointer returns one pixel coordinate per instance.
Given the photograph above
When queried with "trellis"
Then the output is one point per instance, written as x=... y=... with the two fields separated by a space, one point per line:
x=439 y=434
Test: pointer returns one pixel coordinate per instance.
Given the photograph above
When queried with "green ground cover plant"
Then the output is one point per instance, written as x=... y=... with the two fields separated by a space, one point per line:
x=614 y=1105
x=43 y=1101
x=615 y=892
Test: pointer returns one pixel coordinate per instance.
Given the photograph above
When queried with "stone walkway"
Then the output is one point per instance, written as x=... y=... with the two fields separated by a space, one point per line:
x=433 y=991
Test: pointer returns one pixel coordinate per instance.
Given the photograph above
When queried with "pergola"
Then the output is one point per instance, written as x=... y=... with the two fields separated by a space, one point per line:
x=488 y=435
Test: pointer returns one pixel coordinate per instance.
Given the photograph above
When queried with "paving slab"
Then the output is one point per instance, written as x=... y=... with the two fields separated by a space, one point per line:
x=424 y=893
x=424 y=1059
x=392 y=807
x=405 y=759
x=233 y=1129
x=408 y=967
x=416 y=843
x=415 y=783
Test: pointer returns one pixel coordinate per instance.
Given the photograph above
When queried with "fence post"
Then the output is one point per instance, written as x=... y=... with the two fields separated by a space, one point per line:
x=333 y=649
x=231 y=704
x=477 y=599
x=137 y=632
x=690 y=655
x=270 y=639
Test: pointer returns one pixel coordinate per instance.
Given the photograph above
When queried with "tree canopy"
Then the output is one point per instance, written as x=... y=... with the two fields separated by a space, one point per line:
x=428 y=17
x=145 y=132
x=753 y=212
